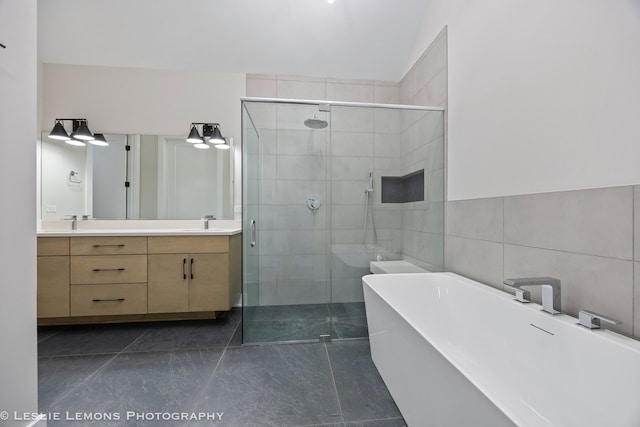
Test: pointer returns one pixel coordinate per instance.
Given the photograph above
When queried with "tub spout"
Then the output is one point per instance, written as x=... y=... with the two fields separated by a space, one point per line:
x=550 y=291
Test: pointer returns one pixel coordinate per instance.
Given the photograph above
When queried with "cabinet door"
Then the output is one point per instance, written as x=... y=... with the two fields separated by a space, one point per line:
x=53 y=286
x=168 y=284
x=209 y=290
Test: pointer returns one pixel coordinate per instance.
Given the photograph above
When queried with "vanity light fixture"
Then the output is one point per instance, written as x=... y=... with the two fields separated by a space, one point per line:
x=99 y=139
x=223 y=145
x=210 y=135
x=80 y=131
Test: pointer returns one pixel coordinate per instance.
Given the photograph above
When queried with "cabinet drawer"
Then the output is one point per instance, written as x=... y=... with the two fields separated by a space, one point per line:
x=108 y=245
x=101 y=300
x=108 y=269
x=188 y=244
x=53 y=246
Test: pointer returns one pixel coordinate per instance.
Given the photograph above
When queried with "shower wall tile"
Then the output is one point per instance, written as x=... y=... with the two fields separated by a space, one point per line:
x=636 y=223
x=300 y=78
x=387 y=120
x=386 y=94
x=358 y=144
x=603 y=285
x=434 y=92
x=350 y=81
x=476 y=259
x=268 y=167
x=431 y=62
x=349 y=119
x=348 y=192
x=268 y=141
x=302 y=142
x=347 y=289
x=476 y=219
x=263 y=115
x=295 y=192
x=387 y=145
x=296 y=217
x=292 y=89
x=301 y=167
x=390 y=166
x=351 y=168
x=305 y=291
x=347 y=217
x=349 y=92
x=262 y=88
x=594 y=222
x=406 y=89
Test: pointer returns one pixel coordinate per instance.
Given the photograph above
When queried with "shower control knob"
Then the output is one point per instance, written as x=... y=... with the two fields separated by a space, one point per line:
x=313 y=203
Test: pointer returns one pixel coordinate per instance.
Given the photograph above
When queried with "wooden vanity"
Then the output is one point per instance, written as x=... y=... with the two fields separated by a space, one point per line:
x=118 y=278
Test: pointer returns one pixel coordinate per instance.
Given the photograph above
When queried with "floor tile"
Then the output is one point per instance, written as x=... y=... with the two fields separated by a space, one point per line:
x=285 y=330
x=46 y=332
x=59 y=375
x=287 y=312
x=363 y=395
x=274 y=385
x=167 y=381
x=189 y=334
x=351 y=328
x=391 y=422
x=91 y=339
x=347 y=310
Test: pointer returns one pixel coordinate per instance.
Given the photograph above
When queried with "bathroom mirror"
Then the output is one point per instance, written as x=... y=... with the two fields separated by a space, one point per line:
x=135 y=177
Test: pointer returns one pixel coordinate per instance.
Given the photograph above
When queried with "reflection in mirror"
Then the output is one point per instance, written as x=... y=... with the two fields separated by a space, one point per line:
x=167 y=179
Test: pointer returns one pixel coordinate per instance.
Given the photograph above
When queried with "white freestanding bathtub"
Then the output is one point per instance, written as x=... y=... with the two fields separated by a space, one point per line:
x=454 y=352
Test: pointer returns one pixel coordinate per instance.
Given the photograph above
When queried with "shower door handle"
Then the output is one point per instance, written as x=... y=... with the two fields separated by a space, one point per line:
x=252 y=231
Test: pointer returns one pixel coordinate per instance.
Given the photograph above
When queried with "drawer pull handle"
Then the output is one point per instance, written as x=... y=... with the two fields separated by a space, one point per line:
x=108 y=269
x=184 y=272
x=109 y=246
x=108 y=300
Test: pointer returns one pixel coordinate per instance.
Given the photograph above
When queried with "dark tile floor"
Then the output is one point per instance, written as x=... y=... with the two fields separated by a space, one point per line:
x=282 y=323
x=194 y=367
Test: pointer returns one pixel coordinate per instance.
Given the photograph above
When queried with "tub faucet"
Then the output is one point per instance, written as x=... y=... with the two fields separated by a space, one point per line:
x=550 y=291
x=206 y=220
x=591 y=320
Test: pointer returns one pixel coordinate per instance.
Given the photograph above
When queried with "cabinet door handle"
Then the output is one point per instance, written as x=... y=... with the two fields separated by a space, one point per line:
x=252 y=228
x=184 y=271
x=191 y=268
x=109 y=246
x=107 y=300
x=109 y=269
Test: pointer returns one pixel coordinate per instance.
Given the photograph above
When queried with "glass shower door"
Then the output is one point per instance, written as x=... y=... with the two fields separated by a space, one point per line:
x=286 y=205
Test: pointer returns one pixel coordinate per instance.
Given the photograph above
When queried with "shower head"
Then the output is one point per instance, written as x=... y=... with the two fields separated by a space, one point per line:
x=315 y=123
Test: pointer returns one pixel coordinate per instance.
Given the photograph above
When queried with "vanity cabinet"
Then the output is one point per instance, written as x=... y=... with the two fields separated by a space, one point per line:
x=189 y=274
x=97 y=279
x=53 y=277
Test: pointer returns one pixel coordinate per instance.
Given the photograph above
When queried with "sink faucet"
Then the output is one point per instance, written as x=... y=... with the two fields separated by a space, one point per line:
x=206 y=220
x=74 y=222
x=550 y=291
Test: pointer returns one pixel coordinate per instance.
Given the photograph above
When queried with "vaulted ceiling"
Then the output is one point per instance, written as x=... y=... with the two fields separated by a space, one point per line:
x=366 y=39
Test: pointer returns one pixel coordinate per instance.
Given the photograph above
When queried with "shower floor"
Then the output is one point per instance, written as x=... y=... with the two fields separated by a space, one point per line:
x=304 y=322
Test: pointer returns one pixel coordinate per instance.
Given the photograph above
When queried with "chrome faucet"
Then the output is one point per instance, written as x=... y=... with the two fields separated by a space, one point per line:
x=591 y=320
x=206 y=220
x=74 y=222
x=550 y=291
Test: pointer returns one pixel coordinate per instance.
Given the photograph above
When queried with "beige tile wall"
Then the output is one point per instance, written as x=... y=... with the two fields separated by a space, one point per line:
x=425 y=84
x=585 y=238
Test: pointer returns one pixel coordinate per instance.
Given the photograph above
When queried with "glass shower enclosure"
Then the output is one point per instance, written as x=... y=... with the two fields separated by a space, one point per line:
x=329 y=187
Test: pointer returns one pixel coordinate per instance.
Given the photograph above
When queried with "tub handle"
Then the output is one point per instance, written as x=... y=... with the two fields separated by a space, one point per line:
x=591 y=320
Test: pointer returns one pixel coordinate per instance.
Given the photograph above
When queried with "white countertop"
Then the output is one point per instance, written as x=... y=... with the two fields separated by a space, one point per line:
x=141 y=232
x=139 y=228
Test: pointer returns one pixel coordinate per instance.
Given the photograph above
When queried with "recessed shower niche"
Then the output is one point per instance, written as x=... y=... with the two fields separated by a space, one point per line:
x=302 y=267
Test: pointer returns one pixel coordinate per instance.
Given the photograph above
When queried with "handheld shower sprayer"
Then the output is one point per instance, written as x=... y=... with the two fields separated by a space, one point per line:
x=369 y=189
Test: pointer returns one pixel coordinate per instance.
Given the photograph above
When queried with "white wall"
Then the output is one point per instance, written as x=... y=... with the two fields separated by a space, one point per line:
x=18 y=369
x=141 y=101
x=543 y=96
